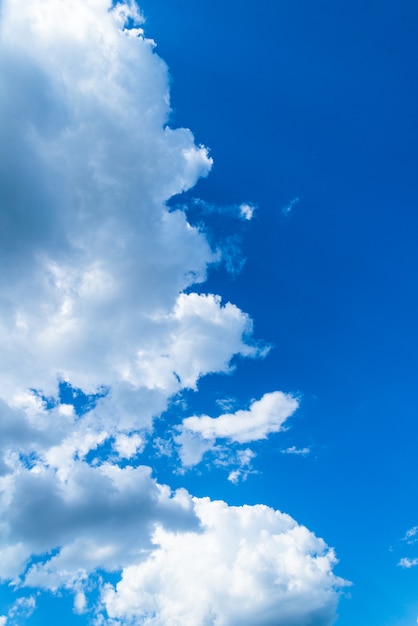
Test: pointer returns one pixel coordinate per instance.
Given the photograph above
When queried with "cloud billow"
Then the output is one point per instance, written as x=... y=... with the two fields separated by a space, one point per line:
x=96 y=291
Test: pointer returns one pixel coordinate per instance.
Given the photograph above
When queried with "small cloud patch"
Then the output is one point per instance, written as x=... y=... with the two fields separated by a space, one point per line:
x=408 y=563
x=411 y=535
x=297 y=451
x=247 y=211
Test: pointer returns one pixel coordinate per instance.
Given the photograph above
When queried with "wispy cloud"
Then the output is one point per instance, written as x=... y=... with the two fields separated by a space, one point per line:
x=411 y=538
x=287 y=208
x=297 y=451
x=411 y=535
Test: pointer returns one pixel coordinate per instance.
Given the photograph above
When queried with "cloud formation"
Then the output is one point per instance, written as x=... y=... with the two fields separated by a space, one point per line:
x=96 y=297
x=247 y=566
x=265 y=416
x=411 y=538
x=407 y=563
x=20 y=610
x=411 y=535
x=93 y=253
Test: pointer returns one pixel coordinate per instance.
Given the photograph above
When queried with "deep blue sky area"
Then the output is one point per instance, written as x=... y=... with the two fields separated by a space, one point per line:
x=318 y=101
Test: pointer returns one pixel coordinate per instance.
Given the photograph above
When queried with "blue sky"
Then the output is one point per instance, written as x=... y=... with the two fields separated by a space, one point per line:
x=236 y=322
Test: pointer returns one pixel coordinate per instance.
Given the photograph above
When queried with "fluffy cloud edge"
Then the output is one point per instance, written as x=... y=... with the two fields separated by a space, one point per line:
x=199 y=434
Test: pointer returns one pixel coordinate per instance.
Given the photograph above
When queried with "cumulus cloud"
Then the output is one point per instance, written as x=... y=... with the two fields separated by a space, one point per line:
x=96 y=297
x=244 y=458
x=264 y=416
x=247 y=566
x=411 y=538
x=96 y=267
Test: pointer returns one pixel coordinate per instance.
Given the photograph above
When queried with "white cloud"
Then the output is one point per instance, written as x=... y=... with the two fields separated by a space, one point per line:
x=93 y=293
x=297 y=451
x=80 y=602
x=411 y=535
x=192 y=447
x=265 y=416
x=247 y=566
x=244 y=458
x=247 y=211
x=200 y=434
x=95 y=261
x=411 y=538
x=408 y=563
x=96 y=264
x=88 y=234
x=128 y=446
x=201 y=337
